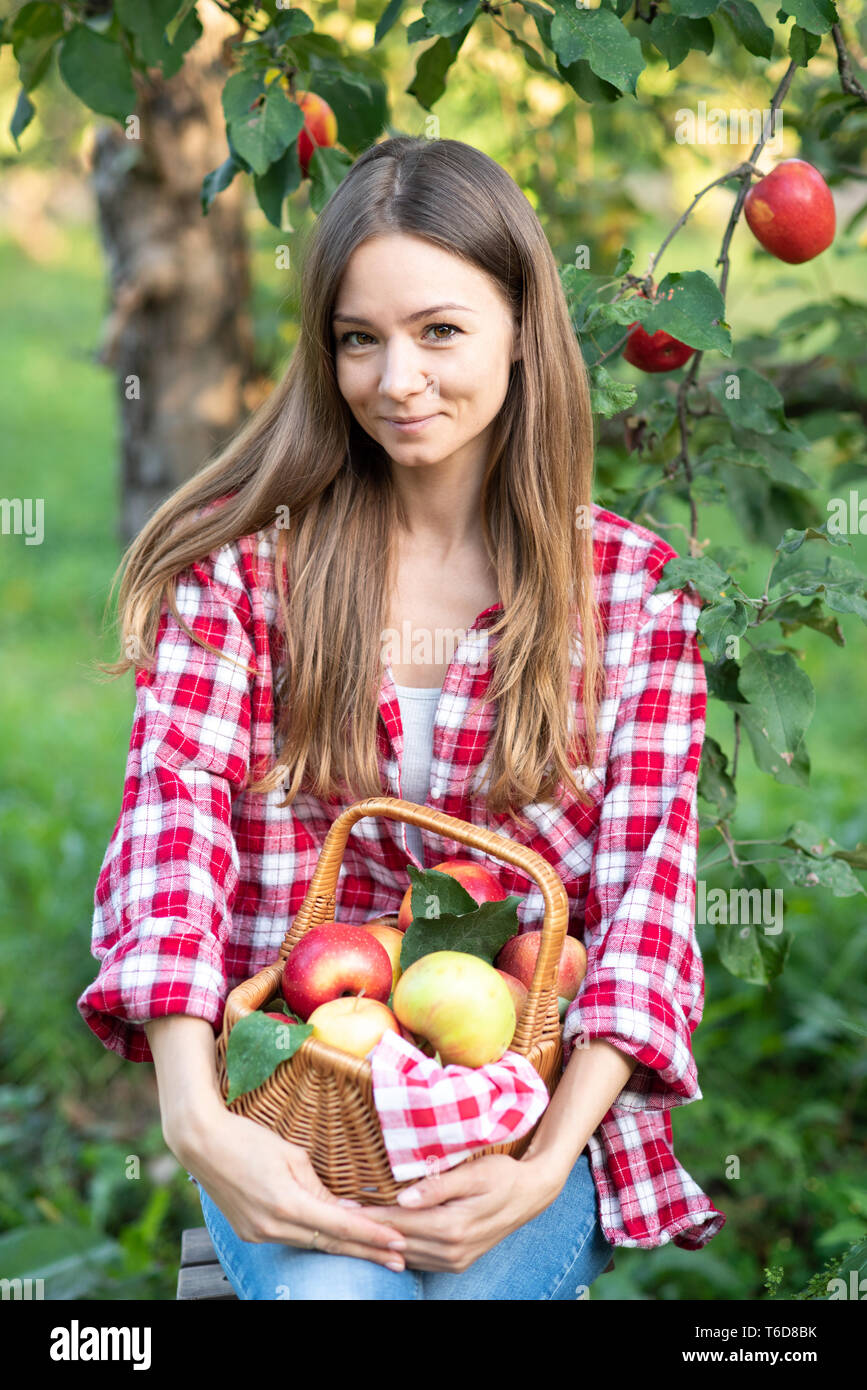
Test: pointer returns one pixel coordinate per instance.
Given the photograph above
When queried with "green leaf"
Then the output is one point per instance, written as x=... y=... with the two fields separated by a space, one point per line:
x=435 y=893
x=599 y=38
x=745 y=948
x=481 y=933
x=703 y=573
x=97 y=71
x=562 y=1006
x=448 y=17
x=694 y=9
x=34 y=31
x=757 y=404
x=714 y=783
x=728 y=617
x=148 y=24
x=327 y=169
x=817 y=16
x=292 y=24
x=803 y=45
x=751 y=30
x=674 y=36
x=257 y=1045
x=791 y=615
x=387 y=19
x=22 y=116
x=69 y=1258
x=262 y=126
x=607 y=395
x=689 y=306
x=429 y=81
x=218 y=179
x=276 y=185
x=834 y=873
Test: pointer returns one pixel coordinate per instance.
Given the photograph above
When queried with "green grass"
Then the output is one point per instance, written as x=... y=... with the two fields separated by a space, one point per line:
x=779 y=1067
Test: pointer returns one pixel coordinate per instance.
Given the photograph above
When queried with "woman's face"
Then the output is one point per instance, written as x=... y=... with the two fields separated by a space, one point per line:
x=421 y=334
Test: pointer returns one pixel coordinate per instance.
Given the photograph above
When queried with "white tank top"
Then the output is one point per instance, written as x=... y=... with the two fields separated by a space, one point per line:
x=417 y=712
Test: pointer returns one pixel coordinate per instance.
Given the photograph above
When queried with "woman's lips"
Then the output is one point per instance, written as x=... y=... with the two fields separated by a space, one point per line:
x=410 y=426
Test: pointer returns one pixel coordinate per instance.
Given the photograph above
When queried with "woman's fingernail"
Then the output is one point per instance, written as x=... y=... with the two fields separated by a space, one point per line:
x=348 y=1202
x=409 y=1197
x=396 y=1265
x=396 y=1245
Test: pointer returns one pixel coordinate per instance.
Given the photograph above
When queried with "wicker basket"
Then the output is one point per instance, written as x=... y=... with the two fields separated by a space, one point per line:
x=322 y=1098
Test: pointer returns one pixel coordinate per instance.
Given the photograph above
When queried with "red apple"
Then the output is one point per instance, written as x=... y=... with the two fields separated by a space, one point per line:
x=333 y=959
x=460 y=1004
x=518 y=958
x=518 y=992
x=474 y=877
x=320 y=127
x=655 y=352
x=282 y=1018
x=354 y=1025
x=791 y=212
x=392 y=940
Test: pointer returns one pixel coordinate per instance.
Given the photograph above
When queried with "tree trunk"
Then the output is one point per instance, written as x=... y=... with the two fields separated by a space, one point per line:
x=179 y=333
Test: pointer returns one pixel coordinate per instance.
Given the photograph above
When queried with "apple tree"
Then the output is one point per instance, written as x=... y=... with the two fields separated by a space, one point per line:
x=711 y=421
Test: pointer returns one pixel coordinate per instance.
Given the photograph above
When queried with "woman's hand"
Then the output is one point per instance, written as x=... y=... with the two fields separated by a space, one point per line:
x=464 y=1211
x=268 y=1190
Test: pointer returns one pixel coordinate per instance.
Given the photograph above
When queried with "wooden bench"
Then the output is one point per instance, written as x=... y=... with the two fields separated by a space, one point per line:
x=201 y=1274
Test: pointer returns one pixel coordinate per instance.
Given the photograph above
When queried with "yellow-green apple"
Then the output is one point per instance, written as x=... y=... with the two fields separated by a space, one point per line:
x=517 y=990
x=334 y=959
x=392 y=940
x=354 y=1025
x=389 y=919
x=459 y=1003
x=518 y=958
x=791 y=212
x=474 y=877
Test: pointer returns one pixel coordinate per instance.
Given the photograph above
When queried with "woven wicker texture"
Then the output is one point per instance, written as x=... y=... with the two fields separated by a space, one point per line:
x=322 y=1098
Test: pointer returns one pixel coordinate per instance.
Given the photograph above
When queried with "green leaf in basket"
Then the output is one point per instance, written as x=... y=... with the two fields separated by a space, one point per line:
x=257 y=1045
x=482 y=932
x=435 y=893
x=562 y=1005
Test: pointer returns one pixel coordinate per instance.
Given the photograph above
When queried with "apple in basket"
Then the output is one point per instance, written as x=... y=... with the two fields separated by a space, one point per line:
x=518 y=991
x=392 y=940
x=518 y=958
x=474 y=877
x=331 y=960
x=354 y=1025
x=459 y=1003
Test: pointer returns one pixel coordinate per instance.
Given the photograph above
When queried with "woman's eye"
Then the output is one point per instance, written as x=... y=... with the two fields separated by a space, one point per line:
x=358 y=332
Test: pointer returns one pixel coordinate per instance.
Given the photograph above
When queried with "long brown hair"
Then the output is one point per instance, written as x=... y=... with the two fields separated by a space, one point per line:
x=302 y=450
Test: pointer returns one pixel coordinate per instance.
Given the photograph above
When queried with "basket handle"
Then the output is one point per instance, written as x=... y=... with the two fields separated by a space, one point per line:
x=320 y=901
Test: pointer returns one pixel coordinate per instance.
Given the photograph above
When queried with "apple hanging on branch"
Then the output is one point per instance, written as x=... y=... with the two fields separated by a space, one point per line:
x=655 y=352
x=320 y=122
x=791 y=212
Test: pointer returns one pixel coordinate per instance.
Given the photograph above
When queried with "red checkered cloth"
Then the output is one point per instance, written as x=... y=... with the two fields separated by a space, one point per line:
x=201 y=878
x=433 y=1117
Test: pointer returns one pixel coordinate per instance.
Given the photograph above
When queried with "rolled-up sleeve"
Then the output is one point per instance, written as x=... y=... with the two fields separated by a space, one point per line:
x=164 y=895
x=644 y=987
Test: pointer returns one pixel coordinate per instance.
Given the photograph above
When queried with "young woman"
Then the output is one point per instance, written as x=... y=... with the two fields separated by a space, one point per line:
x=423 y=471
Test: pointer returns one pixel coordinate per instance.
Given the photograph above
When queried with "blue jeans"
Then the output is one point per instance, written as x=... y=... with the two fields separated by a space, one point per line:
x=557 y=1255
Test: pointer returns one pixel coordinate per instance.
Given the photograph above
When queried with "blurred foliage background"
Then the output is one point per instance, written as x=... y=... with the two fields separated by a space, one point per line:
x=782 y=1068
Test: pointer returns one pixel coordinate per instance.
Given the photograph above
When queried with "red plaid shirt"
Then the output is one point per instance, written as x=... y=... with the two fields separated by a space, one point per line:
x=200 y=878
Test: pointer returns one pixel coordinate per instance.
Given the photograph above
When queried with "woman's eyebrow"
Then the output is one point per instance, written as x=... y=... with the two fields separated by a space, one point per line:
x=410 y=318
